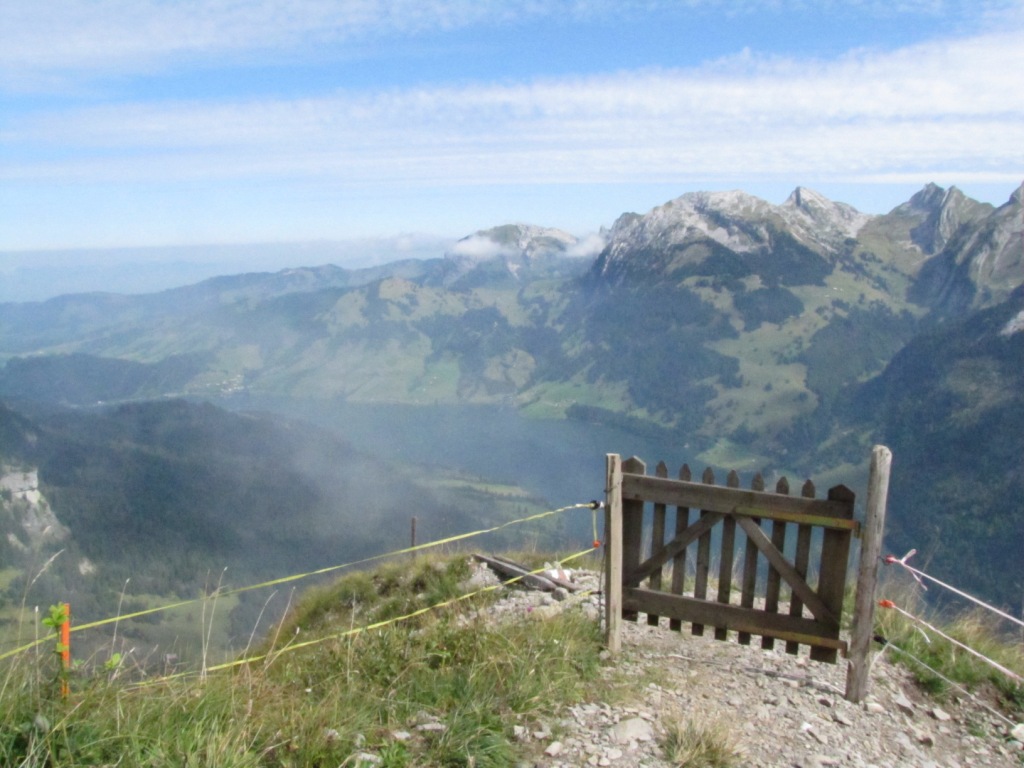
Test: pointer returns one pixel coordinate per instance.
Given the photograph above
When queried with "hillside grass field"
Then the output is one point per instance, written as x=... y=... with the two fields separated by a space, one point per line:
x=344 y=679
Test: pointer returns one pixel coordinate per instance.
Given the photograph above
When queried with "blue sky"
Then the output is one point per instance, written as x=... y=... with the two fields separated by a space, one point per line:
x=154 y=122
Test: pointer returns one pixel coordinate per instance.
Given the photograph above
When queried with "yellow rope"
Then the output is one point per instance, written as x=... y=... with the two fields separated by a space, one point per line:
x=359 y=630
x=298 y=576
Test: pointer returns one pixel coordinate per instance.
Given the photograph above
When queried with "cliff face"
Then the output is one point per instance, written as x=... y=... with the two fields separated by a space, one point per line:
x=978 y=255
x=31 y=522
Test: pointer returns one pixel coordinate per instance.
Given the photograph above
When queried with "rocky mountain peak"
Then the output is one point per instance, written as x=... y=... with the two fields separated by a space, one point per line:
x=735 y=220
x=831 y=217
x=928 y=199
x=515 y=240
x=807 y=199
x=946 y=213
x=1018 y=195
x=976 y=253
x=509 y=250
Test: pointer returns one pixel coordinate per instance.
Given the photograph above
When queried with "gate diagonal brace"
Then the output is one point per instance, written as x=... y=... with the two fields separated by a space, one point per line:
x=674 y=547
x=778 y=561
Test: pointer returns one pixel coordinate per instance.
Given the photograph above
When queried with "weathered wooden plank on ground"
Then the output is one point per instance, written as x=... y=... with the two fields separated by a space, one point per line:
x=512 y=571
x=558 y=581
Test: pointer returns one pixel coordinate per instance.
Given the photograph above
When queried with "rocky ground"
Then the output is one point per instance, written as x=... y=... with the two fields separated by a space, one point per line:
x=781 y=710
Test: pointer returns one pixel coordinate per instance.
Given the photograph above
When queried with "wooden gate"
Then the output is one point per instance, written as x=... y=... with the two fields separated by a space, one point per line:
x=779 y=568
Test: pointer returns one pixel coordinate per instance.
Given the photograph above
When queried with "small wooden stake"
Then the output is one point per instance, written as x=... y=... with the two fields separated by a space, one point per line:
x=65 y=650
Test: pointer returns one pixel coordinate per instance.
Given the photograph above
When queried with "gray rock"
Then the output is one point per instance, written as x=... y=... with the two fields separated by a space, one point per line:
x=814 y=733
x=554 y=749
x=922 y=736
x=633 y=729
x=842 y=719
x=904 y=704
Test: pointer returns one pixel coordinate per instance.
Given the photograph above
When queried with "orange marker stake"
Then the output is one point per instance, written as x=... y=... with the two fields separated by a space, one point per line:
x=65 y=651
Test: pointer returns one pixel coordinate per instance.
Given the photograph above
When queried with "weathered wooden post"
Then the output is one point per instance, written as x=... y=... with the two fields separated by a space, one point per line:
x=632 y=534
x=613 y=539
x=857 y=678
x=412 y=536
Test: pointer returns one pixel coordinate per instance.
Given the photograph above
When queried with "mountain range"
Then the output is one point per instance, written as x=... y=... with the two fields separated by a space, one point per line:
x=776 y=338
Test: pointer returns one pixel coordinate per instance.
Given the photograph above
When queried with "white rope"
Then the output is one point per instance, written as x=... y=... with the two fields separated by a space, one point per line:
x=893 y=560
x=934 y=671
x=995 y=664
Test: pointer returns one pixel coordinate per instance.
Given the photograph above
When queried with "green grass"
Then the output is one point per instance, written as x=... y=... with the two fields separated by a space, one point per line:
x=935 y=661
x=344 y=695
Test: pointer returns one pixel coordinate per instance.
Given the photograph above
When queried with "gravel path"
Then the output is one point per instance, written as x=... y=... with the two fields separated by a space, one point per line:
x=783 y=711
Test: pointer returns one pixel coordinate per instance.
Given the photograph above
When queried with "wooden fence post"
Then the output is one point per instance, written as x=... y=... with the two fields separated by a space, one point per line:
x=613 y=538
x=857 y=678
x=632 y=533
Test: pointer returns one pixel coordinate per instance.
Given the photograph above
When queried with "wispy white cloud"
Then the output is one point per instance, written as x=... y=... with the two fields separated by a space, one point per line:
x=953 y=106
x=587 y=247
x=479 y=247
x=46 y=42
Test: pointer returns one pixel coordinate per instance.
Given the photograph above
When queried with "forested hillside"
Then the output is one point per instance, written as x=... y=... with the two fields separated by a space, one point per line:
x=170 y=494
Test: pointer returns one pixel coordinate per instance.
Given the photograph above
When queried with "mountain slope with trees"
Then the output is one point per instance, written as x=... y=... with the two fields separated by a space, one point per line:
x=167 y=494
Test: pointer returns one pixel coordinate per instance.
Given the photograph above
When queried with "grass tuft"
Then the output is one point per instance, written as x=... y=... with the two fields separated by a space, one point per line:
x=692 y=743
